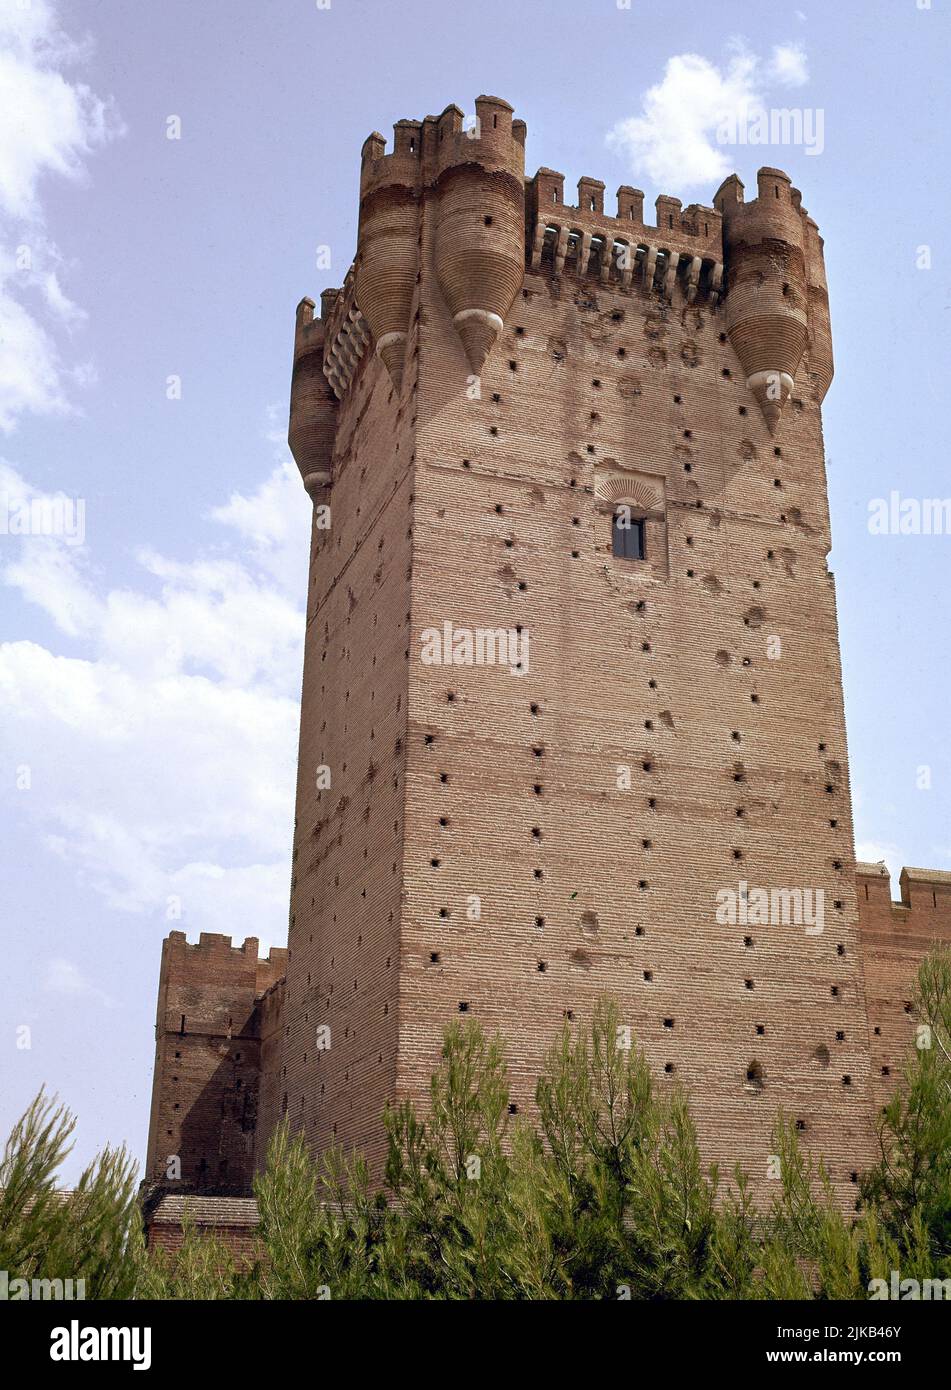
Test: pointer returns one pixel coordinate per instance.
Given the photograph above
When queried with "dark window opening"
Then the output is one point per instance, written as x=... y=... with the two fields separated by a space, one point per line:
x=627 y=536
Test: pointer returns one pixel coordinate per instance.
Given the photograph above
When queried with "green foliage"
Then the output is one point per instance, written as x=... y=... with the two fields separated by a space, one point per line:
x=606 y=1197
x=912 y=1181
x=93 y=1234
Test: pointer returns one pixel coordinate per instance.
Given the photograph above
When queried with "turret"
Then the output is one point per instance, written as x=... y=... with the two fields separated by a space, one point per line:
x=387 y=242
x=820 y=328
x=767 y=297
x=313 y=417
x=480 y=221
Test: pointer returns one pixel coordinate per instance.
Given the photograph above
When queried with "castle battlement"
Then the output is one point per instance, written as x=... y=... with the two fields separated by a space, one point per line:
x=213 y=942
x=423 y=151
x=347 y=334
x=217 y=944
x=895 y=937
x=925 y=900
x=683 y=249
x=762 y=259
x=230 y=975
x=694 y=230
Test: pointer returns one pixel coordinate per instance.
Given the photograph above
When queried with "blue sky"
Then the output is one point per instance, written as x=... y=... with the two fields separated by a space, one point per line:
x=149 y=675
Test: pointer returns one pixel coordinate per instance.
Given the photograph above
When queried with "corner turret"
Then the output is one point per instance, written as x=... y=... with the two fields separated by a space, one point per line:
x=767 y=296
x=480 y=221
x=387 y=241
x=313 y=414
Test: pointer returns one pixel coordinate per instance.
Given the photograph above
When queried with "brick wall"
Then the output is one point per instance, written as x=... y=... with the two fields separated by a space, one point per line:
x=894 y=938
x=232 y=1221
x=207 y=1065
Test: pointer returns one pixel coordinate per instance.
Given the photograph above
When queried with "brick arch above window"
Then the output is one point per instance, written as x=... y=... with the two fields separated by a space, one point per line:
x=641 y=493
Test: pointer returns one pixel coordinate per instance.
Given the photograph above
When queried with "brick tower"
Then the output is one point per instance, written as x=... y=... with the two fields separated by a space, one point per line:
x=206 y=1084
x=572 y=704
x=503 y=383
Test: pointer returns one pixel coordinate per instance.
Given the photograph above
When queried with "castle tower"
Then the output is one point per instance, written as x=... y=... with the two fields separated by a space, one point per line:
x=571 y=684
x=205 y=1093
x=572 y=719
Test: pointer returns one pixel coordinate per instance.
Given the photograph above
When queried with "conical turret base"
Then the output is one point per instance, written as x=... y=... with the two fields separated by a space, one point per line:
x=391 y=350
x=772 y=390
x=478 y=331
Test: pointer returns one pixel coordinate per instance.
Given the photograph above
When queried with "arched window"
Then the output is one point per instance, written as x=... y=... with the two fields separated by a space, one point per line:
x=635 y=504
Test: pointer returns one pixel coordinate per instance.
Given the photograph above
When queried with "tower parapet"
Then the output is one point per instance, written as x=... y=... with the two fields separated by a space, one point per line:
x=820 y=326
x=476 y=178
x=684 y=247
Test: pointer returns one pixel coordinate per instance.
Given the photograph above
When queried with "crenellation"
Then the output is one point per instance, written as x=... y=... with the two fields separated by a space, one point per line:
x=682 y=227
x=591 y=195
x=630 y=204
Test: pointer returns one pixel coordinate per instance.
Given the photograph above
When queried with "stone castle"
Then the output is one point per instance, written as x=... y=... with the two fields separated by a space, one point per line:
x=572 y=718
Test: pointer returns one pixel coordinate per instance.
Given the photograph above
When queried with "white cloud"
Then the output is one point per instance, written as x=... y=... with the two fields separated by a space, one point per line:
x=31 y=373
x=63 y=977
x=162 y=759
x=788 y=65
x=49 y=126
x=674 y=138
x=273 y=521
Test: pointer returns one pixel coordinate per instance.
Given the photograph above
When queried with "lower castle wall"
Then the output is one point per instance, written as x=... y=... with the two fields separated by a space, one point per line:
x=208 y=1059
x=895 y=937
x=197 y=1090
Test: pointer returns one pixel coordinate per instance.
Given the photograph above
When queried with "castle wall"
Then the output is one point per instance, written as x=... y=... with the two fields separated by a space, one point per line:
x=207 y=1066
x=895 y=936
x=233 y=1222
x=344 y=952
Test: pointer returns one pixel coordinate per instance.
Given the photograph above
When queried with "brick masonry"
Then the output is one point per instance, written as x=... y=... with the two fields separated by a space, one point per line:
x=895 y=937
x=207 y=1063
x=499 y=373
